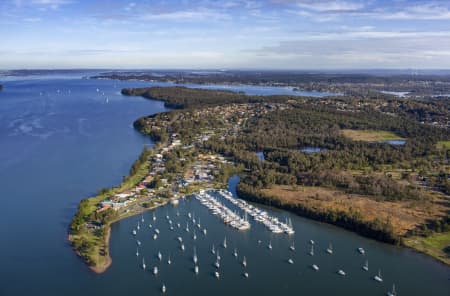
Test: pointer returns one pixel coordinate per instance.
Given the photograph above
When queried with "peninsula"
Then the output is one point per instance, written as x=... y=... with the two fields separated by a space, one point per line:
x=378 y=167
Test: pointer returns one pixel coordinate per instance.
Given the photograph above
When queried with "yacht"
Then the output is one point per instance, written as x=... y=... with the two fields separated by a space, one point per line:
x=311 y=253
x=163 y=288
x=218 y=255
x=315 y=267
x=137 y=252
x=311 y=242
x=159 y=256
x=194 y=237
x=155 y=236
x=134 y=232
x=392 y=292
x=269 y=245
x=155 y=270
x=341 y=272
x=150 y=225
x=195 y=256
x=180 y=239
x=217 y=264
x=244 y=262
x=366 y=265
x=169 y=261
x=187 y=227
x=182 y=247
x=330 y=249
x=156 y=230
x=235 y=254
x=361 y=251
x=138 y=242
x=246 y=274
x=225 y=243
x=292 y=247
x=196 y=269
x=378 y=277
x=154 y=217
x=290 y=261
x=204 y=231
x=138 y=226
x=143 y=263
x=217 y=274
x=213 y=250
x=142 y=218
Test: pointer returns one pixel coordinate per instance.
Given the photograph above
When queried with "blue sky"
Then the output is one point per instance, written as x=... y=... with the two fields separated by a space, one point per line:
x=229 y=34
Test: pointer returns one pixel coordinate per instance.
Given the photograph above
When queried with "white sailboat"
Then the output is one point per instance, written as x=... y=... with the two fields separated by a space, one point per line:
x=217 y=274
x=163 y=289
x=134 y=232
x=154 y=217
x=182 y=247
x=378 y=277
x=225 y=243
x=159 y=256
x=246 y=274
x=137 y=252
x=292 y=247
x=196 y=269
x=235 y=254
x=155 y=270
x=138 y=242
x=392 y=292
x=143 y=263
x=204 y=231
x=330 y=249
x=187 y=227
x=269 y=246
x=290 y=261
x=138 y=226
x=361 y=251
x=142 y=218
x=169 y=261
x=244 y=262
x=213 y=250
x=366 y=265
x=155 y=236
x=341 y=272
x=315 y=267
x=195 y=256
x=311 y=252
x=194 y=237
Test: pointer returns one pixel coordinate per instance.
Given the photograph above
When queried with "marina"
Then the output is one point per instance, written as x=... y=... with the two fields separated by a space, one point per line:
x=80 y=125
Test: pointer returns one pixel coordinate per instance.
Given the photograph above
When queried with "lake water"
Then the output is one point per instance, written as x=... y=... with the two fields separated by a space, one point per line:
x=60 y=146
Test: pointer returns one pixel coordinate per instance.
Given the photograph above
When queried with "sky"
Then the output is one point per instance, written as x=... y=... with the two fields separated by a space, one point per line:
x=227 y=34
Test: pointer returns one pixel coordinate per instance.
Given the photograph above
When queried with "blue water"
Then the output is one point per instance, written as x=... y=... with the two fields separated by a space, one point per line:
x=395 y=142
x=260 y=155
x=311 y=149
x=59 y=146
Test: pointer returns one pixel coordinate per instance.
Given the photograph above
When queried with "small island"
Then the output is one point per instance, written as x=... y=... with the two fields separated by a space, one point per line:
x=392 y=193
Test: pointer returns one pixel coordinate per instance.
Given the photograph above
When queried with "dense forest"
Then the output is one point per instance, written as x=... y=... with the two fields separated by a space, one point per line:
x=369 y=85
x=341 y=163
x=182 y=97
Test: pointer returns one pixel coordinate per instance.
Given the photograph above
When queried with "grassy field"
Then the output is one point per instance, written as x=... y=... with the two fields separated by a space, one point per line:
x=404 y=216
x=370 y=135
x=443 y=144
x=436 y=245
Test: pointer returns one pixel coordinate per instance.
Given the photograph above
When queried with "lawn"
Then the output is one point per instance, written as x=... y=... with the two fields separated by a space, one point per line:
x=434 y=245
x=443 y=144
x=370 y=135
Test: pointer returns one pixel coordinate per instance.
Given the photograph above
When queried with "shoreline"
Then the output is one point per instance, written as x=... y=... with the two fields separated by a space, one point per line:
x=355 y=226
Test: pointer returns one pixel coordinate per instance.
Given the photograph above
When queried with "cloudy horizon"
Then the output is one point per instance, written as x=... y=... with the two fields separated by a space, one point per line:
x=229 y=34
